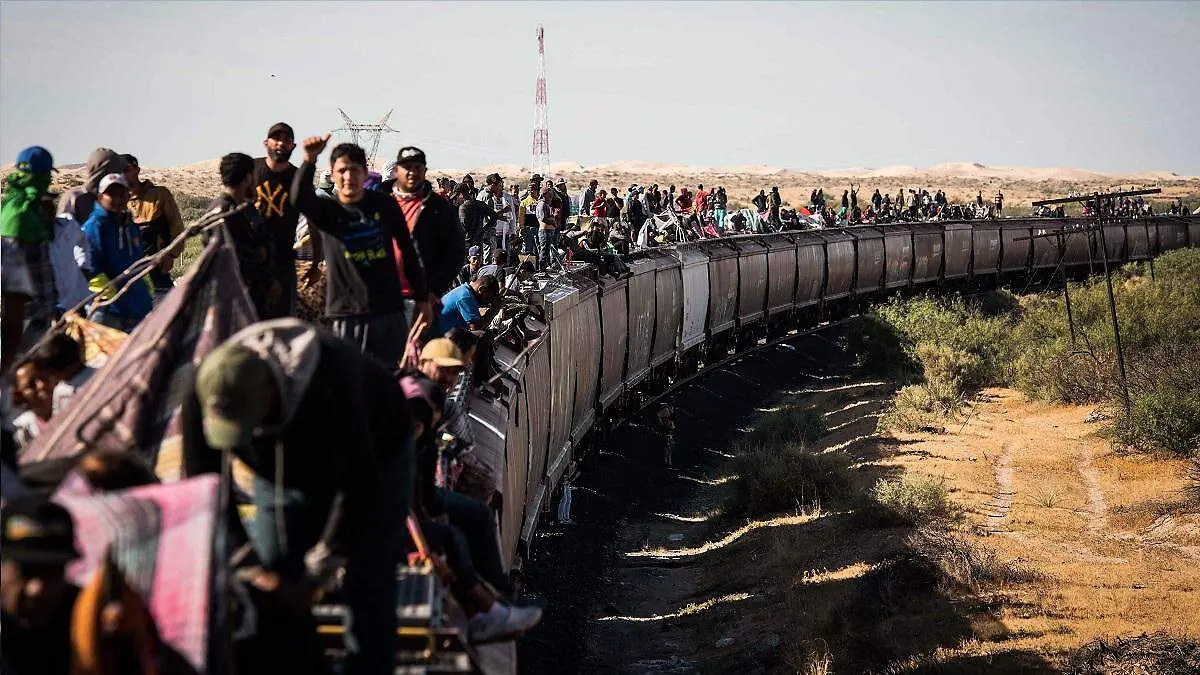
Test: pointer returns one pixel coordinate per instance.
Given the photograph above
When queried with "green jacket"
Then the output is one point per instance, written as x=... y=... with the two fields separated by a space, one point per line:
x=21 y=216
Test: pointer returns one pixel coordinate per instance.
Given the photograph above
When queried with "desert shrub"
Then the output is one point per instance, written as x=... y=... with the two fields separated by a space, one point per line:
x=916 y=408
x=1164 y=411
x=191 y=206
x=963 y=562
x=1160 y=653
x=788 y=425
x=779 y=478
x=912 y=501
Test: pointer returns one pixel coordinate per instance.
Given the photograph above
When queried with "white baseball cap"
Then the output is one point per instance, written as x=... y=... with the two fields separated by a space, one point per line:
x=110 y=179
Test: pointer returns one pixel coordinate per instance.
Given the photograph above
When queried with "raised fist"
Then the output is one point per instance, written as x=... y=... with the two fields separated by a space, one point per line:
x=313 y=147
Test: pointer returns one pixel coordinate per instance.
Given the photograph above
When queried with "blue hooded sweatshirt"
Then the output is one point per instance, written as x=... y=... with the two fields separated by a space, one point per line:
x=114 y=244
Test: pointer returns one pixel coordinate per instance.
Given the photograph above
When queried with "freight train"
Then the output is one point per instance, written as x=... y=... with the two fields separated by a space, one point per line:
x=599 y=341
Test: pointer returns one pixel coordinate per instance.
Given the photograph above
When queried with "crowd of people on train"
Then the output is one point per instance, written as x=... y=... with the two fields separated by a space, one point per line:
x=412 y=280
x=413 y=275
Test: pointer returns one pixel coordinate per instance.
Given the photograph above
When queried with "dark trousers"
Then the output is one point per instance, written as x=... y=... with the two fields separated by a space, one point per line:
x=477 y=523
x=288 y=522
x=382 y=336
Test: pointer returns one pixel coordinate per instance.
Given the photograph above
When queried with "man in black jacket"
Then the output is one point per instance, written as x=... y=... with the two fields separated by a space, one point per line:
x=369 y=254
x=326 y=433
x=431 y=220
x=478 y=218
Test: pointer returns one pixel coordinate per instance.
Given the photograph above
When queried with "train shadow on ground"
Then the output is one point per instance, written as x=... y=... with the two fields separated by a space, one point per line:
x=863 y=598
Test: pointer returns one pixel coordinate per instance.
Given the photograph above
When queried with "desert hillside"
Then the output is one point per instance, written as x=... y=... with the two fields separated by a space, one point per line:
x=961 y=180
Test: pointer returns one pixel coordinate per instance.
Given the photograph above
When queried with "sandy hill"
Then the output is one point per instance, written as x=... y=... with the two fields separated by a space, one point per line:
x=962 y=181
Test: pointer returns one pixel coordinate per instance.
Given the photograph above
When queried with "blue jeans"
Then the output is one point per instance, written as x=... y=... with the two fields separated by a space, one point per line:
x=546 y=253
x=477 y=523
x=372 y=555
x=529 y=240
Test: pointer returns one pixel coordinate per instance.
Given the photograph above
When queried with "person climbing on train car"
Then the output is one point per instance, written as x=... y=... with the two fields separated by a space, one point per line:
x=361 y=232
x=463 y=306
x=267 y=395
x=463 y=529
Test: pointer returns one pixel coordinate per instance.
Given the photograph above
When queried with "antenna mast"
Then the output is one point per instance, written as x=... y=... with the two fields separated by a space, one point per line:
x=541 y=122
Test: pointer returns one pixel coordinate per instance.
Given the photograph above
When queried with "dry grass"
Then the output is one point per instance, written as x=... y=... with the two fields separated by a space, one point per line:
x=1065 y=565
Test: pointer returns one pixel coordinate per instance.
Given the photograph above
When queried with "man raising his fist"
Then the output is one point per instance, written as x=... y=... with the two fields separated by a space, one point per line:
x=363 y=297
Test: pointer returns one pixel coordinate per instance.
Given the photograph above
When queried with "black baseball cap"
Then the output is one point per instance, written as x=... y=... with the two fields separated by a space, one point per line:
x=409 y=154
x=37 y=530
x=281 y=129
x=130 y=159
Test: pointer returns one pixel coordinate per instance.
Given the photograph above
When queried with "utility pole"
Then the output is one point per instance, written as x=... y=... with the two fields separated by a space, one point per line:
x=367 y=132
x=1102 y=201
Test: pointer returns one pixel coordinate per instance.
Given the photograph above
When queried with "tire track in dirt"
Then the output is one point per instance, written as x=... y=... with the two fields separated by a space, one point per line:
x=1097 y=509
x=1002 y=499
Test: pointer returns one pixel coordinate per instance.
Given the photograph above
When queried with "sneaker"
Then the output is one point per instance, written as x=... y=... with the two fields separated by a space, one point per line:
x=502 y=624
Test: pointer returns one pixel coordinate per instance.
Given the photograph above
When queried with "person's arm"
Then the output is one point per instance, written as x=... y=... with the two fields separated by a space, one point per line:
x=323 y=214
x=468 y=308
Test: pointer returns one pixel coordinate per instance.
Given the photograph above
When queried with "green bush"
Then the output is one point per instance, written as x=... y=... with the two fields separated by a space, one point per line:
x=913 y=501
x=781 y=478
x=786 y=426
x=916 y=408
x=192 y=206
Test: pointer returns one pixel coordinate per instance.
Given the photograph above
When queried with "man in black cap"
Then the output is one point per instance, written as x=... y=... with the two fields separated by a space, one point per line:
x=38 y=542
x=273 y=176
x=432 y=222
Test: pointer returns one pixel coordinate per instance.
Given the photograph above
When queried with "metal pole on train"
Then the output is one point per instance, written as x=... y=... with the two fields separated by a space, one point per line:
x=1066 y=285
x=1112 y=303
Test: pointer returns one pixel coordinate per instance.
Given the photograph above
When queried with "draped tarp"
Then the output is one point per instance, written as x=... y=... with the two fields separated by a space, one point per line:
x=133 y=402
x=163 y=539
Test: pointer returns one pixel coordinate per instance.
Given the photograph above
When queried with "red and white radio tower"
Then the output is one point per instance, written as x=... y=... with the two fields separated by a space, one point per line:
x=541 y=123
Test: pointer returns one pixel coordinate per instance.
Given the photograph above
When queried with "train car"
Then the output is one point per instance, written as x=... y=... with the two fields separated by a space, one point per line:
x=536 y=390
x=782 y=266
x=1047 y=252
x=586 y=345
x=668 y=285
x=897 y=256
x=928 y=245
x=722 y=288
x=559 y=300
x=1172 y=233
x=1114 y=242
x=693 y=262
x=956 y=251
x=985 y=249
x=614 y=331
x=869 y=258
x=642 y=273
x=1016 y=248
x=841 y=264
x=1137 y=239
x=518 y=424
x=810 y=268
x=1078 y=246
x=1193 y=230
x=752 y=280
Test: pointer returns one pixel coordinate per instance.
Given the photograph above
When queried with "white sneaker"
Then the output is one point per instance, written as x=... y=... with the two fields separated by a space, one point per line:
x=502 y=623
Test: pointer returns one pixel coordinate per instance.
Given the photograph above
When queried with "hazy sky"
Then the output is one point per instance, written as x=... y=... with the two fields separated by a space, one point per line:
x=1108 y=86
